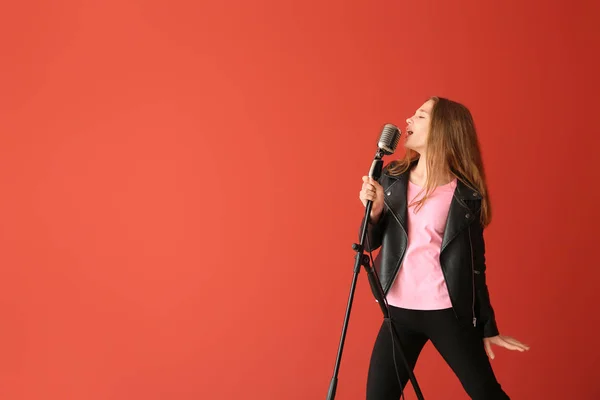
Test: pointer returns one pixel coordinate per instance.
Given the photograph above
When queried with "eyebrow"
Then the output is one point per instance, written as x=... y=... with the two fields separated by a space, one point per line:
x=420 y=109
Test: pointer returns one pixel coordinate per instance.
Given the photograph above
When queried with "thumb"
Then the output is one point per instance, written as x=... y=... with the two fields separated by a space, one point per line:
x=488 y=350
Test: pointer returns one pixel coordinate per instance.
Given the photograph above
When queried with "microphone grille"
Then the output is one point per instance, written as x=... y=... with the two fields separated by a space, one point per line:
x=388 y=141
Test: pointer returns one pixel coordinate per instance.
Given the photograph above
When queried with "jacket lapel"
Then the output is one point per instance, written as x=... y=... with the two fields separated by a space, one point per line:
x=395 y=199
x=459 y=214
x=395 y=196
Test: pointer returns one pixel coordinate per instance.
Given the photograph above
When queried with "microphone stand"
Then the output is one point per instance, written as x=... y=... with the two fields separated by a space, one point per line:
x=364 y=260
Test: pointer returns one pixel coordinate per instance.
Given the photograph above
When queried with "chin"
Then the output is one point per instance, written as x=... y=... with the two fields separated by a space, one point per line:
x=413 y=148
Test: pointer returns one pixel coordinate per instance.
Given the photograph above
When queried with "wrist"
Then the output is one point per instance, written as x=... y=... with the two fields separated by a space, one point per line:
x=375 y=217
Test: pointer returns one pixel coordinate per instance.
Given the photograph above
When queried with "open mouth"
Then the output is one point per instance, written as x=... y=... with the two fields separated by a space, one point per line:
x=409 y=133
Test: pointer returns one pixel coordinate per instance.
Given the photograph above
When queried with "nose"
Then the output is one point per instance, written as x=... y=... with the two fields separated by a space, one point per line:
x=408 y=120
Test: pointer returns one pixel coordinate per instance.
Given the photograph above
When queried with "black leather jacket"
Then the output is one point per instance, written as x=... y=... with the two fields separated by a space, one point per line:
x=462 y=254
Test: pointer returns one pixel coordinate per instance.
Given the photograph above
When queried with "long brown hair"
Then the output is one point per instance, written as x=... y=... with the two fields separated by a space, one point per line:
x=452 y=148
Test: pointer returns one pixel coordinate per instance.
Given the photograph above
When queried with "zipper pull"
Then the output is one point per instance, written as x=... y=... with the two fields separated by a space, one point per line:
x=475 y=322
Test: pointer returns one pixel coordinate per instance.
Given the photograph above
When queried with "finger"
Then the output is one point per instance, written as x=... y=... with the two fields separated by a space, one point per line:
x=369 y=191
x=517 y=343
x=488 y=350
x=369 y=188
x=373 y=182
x=368 y=196
x=372 y=189
x=365 y=179
x=510 y=346
x=511 y=340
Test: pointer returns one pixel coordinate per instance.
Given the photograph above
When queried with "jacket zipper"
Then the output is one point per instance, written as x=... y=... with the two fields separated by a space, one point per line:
x=473 y=278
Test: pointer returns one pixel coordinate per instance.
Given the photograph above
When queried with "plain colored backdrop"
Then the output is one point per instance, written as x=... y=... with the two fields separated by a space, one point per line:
x=180 y=189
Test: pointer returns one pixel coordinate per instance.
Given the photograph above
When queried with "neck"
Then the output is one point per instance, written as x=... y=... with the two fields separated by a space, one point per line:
x=419 y=172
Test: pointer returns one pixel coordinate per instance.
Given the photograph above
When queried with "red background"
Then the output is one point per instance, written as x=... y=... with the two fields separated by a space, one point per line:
x=180 y=190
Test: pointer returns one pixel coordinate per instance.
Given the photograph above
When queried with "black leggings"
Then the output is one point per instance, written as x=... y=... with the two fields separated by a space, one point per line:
x=460 y=345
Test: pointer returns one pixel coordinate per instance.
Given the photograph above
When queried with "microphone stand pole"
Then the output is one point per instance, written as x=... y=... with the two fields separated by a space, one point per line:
x=363 y=259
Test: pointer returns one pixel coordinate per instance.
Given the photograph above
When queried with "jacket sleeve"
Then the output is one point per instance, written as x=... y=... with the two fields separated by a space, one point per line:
x=486 y=315
x=374 y=237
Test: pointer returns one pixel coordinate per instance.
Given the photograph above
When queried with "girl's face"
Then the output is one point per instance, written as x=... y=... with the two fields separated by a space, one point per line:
x=417 y=129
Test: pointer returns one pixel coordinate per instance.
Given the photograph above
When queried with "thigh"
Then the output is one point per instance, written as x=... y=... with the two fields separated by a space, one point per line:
x=462 y=348
x=383 y=377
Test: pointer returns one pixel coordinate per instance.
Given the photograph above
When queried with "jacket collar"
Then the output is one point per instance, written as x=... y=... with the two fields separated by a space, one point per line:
x=462 y=191
x=460 y=214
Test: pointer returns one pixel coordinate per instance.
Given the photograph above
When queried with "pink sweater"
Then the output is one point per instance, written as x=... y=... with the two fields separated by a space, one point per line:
x=420 y=283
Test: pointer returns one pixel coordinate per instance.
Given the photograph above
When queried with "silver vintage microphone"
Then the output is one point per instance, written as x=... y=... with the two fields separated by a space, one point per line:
x=388 y=141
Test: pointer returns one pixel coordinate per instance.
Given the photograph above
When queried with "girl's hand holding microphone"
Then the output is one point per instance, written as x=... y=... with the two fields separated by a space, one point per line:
x=372 y=190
